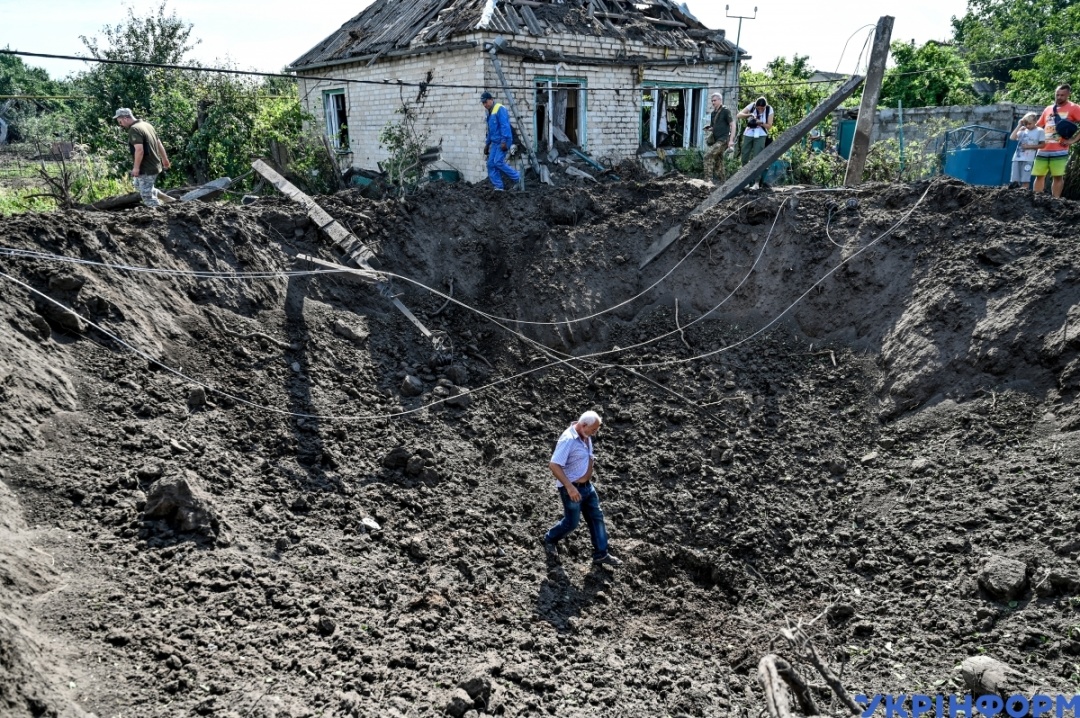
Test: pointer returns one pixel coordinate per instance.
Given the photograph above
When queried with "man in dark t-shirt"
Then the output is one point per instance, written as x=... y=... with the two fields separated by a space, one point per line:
x=148 y=155
x=721 y=131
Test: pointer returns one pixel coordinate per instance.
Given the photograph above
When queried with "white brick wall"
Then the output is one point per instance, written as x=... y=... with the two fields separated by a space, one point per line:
x=456 y=117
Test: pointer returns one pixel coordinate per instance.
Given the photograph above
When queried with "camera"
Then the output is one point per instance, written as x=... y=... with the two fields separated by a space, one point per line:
x=751 y=121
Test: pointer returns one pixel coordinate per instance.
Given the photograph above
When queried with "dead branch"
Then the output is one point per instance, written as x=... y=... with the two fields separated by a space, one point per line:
x=802 y=643
x=776 y=692
x=798 y=686
x=217 y=322
x=681 y=334
x=447 y=302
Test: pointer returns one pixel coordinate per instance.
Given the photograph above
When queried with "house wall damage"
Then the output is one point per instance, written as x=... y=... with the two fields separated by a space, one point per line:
x=614 y=79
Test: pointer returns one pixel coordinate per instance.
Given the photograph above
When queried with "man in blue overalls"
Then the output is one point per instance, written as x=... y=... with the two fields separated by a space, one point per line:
x=499 y=139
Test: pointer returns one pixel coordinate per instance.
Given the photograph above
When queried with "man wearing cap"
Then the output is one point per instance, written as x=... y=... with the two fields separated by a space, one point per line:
x=572 y=465
x=149 y=157
x=499 y=139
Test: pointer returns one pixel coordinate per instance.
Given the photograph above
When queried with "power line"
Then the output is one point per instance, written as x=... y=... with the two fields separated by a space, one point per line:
x=404 y=83
x=567 y=359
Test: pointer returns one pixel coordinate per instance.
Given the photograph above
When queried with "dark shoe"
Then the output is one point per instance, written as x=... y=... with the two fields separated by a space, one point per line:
x=551 y=549
x=607 y=560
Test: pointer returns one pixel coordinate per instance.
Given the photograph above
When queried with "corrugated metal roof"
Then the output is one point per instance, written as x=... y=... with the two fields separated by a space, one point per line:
x=388 y=25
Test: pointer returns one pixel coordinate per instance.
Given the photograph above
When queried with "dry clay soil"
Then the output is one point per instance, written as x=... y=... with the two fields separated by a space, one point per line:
x=855 y=410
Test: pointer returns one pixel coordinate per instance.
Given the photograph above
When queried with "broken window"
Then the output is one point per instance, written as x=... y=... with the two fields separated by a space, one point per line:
x=560 y=113
x=673 y=117
x=337 y=119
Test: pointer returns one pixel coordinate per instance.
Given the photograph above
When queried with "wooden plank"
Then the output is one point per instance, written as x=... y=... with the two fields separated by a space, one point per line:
x=369 y=276
x=754 y=169
x=322 y=220
x=328 y=224
x=860 y=144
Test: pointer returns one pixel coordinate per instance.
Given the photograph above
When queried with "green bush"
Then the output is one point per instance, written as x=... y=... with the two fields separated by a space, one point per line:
x=405 y=144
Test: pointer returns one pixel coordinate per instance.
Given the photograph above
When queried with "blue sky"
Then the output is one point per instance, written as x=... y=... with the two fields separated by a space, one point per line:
x=268 y=34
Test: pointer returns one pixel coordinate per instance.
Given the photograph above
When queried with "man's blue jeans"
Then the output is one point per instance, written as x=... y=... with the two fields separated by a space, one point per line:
x=589 y=506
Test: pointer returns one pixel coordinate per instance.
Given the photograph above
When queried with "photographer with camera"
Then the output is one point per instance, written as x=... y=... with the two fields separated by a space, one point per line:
x=759 y=118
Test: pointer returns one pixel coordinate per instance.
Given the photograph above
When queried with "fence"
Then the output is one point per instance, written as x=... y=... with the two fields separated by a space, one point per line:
x=22 y=165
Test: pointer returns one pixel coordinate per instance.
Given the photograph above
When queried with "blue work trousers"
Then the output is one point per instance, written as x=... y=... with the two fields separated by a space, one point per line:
x=497 y=163
x=589 y=506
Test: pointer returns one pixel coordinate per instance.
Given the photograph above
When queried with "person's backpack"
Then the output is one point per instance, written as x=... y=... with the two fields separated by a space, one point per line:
x=1064 y=128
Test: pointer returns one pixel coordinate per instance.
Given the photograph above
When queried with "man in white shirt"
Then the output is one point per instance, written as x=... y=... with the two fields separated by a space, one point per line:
x=572 y=466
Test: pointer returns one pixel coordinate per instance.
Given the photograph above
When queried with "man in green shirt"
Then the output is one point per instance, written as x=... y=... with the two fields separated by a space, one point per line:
x=149 y=157
x=721 y=132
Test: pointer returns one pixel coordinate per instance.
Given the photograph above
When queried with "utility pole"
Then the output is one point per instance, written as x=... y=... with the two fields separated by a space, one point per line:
x=738 y=49
x=860 y=145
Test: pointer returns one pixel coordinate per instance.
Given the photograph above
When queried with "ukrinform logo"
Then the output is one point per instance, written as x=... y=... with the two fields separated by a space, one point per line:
x=940 y=706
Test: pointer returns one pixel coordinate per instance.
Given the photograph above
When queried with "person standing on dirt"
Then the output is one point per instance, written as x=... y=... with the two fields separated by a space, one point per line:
x=572 y=465
x=759 y=118
x=499 y=139
x=1029 y=139
x=1054 y=156
x=720 y=138
x=149 y=156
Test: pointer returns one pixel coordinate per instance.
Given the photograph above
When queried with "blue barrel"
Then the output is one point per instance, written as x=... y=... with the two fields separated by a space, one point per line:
x=847 y=136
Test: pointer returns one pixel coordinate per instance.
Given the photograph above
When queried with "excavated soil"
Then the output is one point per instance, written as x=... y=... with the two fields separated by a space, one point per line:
x=855 y=410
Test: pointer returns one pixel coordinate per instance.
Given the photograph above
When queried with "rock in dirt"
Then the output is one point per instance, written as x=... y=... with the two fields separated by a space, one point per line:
x=985 y=676
x=185 y=505
x=351 y=332
x=457 y=374
x=478 y=686
x=458 y=703
x=398 y=458
x=196 y=397
x=1004 y=577
x=412 y=386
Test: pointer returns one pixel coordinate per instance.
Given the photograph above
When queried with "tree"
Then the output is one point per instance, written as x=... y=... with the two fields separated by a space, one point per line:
x=928 y=76
x=785 y=84
x=999 y=38
x=1054 y=62
x=17 y=78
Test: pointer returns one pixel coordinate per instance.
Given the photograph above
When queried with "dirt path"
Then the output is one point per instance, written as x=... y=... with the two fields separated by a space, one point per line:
x=864 y=398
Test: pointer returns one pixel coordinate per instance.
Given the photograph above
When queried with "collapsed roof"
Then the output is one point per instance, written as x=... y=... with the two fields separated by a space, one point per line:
x=388 y=27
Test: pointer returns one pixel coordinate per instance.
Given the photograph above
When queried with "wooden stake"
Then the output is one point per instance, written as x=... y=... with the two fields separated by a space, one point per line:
x=860 y=145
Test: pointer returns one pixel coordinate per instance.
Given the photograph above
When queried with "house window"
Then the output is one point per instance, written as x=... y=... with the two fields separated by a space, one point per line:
x=673 y=117
x=560 y=112
x=337 y=119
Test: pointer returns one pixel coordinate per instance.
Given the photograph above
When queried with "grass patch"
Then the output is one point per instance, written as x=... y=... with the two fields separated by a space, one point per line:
x=18 y=201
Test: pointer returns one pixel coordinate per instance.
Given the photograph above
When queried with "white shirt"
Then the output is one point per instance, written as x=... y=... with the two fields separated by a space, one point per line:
x=572 y=453
x=1026 y=136
x=762 y=117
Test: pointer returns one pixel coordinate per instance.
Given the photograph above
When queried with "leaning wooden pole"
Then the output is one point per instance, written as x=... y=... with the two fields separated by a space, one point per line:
x=860 y=145
x=755 y=167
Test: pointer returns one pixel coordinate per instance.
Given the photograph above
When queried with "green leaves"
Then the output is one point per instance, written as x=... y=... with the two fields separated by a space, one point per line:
x=927 y=76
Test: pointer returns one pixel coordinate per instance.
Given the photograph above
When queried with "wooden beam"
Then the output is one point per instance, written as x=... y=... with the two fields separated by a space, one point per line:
x=860 y=145
x=366 y=275
x=345 y=241
x=757 y=166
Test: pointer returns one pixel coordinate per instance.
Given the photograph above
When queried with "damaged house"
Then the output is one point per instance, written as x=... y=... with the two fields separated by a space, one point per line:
x=610 y=78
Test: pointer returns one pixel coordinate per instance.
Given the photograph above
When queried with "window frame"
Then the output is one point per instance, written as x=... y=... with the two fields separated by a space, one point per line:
x=693 y=114
x=336 y=130
x=550 y=83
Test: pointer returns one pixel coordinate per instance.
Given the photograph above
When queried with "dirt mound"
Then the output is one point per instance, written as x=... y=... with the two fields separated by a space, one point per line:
x=851 y=404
